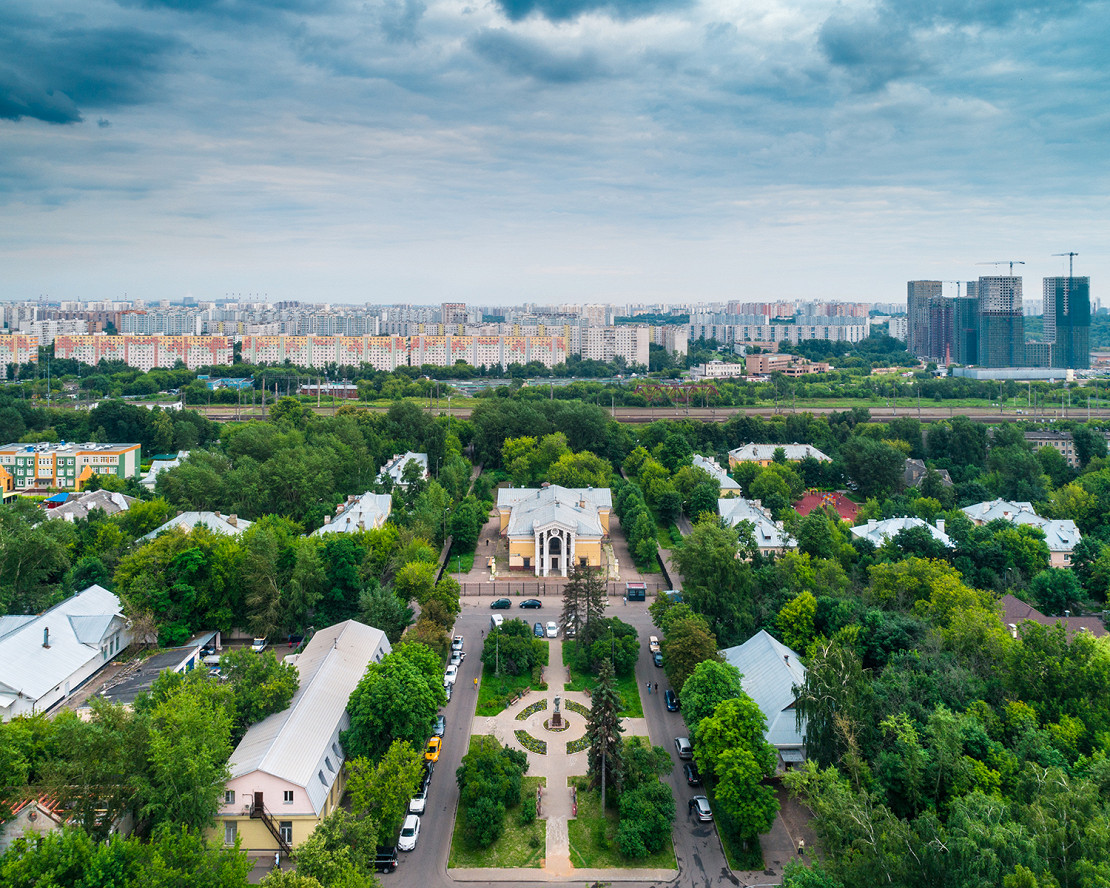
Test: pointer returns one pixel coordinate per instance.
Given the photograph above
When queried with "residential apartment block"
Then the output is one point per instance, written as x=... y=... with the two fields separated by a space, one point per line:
x=18 y=348
x=147 y=352
x=32 y=468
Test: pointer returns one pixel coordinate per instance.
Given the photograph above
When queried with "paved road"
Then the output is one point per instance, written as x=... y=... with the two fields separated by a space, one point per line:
x=701 y=861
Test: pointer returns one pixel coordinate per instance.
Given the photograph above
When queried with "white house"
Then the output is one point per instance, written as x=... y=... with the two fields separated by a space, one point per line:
x=232 y=525
x=395 y=468
x=878 y=532
x=769 y=534
x=1061 y=535
x=729 y=487
x=78 y=505
x=287 y=771
x=366 y=512
x=764 y=454
x=769 y=673
x=45 y=658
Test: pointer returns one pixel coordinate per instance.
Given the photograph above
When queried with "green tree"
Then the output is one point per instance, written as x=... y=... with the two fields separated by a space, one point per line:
x=489 y=783
x=1055 y=589
x=603 y=728
x=261 y=685
x=380 y=608
x=710 y=684
x=340 y=852
x=795 y=620
x=731 y=747
x=397 y=699
x=687 y=643
x=580 y=470
x=875 y=467
x=583 y=602
x=718 y=584
x=646 y=816
x=382 y=791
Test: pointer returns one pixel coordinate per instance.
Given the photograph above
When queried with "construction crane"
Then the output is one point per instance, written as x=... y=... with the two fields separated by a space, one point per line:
x=1011 y=262
x=1071 y=258
x=958 y=285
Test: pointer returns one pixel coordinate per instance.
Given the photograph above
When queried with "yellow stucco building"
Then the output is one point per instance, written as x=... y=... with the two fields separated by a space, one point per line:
x=551 y=528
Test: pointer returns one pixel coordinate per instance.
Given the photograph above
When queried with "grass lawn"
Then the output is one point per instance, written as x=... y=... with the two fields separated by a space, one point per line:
x=739 y=858
x=628 y=687
x=459 y=562
x=518 y=846
x=495 y=689
x=593 y=841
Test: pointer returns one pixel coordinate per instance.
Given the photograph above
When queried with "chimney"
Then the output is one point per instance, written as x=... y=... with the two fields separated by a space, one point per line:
x=786 y=659
x=46 y=636
x=940 y=525
x=871 y=523
x=233 y=520
x=218 y=515
x=327 y=519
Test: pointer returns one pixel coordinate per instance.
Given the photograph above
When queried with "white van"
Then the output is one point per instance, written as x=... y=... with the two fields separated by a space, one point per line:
x=495 y=621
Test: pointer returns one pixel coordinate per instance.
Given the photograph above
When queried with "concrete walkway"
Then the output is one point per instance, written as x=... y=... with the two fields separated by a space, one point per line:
x=556 y=767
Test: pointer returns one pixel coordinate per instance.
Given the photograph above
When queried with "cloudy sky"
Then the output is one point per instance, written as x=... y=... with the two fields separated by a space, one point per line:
x=500 y=151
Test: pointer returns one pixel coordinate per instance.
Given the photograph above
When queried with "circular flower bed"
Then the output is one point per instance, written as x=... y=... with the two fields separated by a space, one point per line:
x=531 y=709
x=577 y=745
x=531 y=743
x=575 y=706
x=562 y=727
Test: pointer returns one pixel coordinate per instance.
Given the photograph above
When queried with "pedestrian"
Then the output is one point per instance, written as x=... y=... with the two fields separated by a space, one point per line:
x=277 y=860
x=649 y=688
x=657 y=687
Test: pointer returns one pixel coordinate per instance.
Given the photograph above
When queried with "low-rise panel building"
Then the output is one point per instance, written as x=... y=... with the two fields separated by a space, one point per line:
x=287 y=772
x=36 y=468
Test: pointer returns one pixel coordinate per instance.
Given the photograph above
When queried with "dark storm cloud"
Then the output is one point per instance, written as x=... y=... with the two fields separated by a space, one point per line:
x=530 y=58
x=565 y=10
x=51 y=73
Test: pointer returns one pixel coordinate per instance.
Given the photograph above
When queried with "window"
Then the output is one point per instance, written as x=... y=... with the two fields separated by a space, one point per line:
x=229 y=797
x=320 y=774
x=229 y=833
x=286 y=830
x=335 y=749
x=287 y=797
x=327 y=761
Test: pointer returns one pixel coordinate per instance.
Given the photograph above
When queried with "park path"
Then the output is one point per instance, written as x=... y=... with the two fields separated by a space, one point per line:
x=557 y=807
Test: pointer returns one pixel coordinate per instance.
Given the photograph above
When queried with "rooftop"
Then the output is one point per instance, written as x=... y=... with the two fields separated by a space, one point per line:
x=536 y=507
x=232 y=525
x=769 y=672
x=794 y=452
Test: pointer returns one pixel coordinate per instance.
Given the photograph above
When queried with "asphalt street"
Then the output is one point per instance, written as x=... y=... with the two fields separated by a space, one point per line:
x=701 y=861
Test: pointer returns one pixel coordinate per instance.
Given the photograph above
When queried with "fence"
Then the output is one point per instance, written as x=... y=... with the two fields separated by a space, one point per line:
x=546 y=588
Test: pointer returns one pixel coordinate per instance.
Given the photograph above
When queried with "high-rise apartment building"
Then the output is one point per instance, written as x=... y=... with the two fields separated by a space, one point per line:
x=965 y=330
x=1067 y=321
x=921 y=297
x=1001 y=322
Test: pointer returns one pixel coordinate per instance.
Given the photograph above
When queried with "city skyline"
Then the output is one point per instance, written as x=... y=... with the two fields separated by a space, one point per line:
x=586 y=151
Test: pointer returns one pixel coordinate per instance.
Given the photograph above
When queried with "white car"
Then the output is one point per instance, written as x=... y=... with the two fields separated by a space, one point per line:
x=552 y=630
x=416 y=805
x=457 y=643
x=451 y=674
x=410 y=832
x=259 y=645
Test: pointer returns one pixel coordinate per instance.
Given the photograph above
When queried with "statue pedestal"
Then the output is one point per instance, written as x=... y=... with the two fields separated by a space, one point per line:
x=556 y=720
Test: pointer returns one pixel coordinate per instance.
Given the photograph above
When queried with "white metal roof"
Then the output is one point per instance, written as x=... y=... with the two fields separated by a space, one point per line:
x=76 y=627
x=768 y=532
x=214 y=521
x=1061 y=535
x=719 y=474
x=769 y=671
x=574 y=508
x=794 y=452
x=298 y=743
x=364 y=513
x=878 y=532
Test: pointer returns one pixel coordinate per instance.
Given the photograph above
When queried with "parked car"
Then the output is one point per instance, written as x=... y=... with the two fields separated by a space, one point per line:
x=552 y=629
x=417 y=803
x=410 y=832
x=693 y=775
x=457 y=658
x=537 y=630
x=531 y=603
x=441 y=726
x=450 y=675
x=501 y=604
x=685 y=750
x=671 y=700
x=657 y=659
x=699 y=806
x=457 y=643
x=653 y=643
x=447 y=691
x=385 y=860
x=426 y=775
x=259 y=645
x=431 y=754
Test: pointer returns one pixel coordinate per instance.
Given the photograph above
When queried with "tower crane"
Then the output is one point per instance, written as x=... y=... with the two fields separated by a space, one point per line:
x=958 y=285
x=1011 y=262
x=1071 y=258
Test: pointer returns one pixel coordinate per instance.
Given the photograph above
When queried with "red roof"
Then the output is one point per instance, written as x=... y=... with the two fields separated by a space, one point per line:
x=845 y=508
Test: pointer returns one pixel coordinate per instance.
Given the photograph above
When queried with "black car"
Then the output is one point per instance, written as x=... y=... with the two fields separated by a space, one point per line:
x=693 y=778
x=501 y=604
x=531 y=603
x=385 y=861
x=671 y=700
x=537 y=630
x=657 y=658
x=426 y=777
